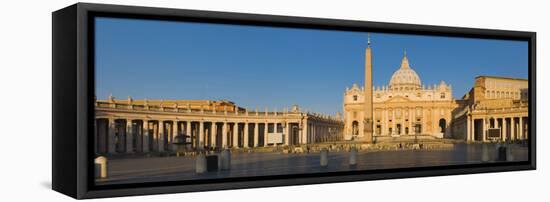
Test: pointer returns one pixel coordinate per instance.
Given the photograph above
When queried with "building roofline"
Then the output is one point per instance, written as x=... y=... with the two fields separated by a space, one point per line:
x=501 y=77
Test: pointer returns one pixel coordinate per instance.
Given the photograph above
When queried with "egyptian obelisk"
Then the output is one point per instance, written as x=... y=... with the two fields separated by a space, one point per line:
x=368 y=119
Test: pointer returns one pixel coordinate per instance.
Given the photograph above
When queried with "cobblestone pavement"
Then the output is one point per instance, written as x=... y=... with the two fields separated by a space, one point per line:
x=155 y=169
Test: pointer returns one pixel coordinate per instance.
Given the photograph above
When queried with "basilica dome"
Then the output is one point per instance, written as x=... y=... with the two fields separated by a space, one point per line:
x=405 y=78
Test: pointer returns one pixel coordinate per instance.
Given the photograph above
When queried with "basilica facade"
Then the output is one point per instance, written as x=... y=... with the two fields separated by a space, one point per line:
x=403 y=107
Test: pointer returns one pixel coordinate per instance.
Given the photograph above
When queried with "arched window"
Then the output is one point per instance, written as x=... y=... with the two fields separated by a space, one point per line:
x=355 y=98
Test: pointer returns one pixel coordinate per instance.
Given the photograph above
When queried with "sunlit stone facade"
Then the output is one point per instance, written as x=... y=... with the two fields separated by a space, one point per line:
x=141 y=126
x=404 y=107
x=495 y=104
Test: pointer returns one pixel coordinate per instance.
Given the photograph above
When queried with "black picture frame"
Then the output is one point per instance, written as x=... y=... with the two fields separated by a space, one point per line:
x=73 y=100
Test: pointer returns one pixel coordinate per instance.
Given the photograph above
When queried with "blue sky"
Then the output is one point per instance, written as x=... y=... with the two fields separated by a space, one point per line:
x=277 y=67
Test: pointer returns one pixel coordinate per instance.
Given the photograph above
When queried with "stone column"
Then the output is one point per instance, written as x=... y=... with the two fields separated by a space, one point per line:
x=275 y=128
x=213 y=136
x=266 y=130
x=503 y=130
x=408 y=122
x=323 y=137
x=412 y=120
x=245 y=136
x=385 y=122
x=174 y=131
x=188 y=132
x=201 y=134
x=512 y=128
x=256 y=135
x=521 y=132
x=287 y=135
x=236 y=135
x=497 y=125
x=484 y=129
x=145 y=144
x=315 y=133
x=468 y=127
x=325 y=133
x=394 y=122
x=435 y=121
x=304 y=132
x=321 y=133
x=425 y=120
x=155 y=135
x=310 y=133
x=161 y=136
x=224 y=135
x=111 y=136
x=129 y=137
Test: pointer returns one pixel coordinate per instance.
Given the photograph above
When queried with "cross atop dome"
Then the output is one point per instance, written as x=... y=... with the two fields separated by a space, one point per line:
x=405 y=61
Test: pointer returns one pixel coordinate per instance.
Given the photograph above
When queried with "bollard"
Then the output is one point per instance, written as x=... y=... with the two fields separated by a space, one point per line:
x=484 y=153
x=324 y=157
x=353 y=157
x=100 y=167
x=509 y=153
x=225 y=159
x=501 y=152
x=212 y=163
x=200 y=164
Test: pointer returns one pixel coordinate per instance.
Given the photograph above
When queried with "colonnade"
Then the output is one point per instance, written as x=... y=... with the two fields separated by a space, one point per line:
x=124 y=135
x=320 y=133
x=510 y=127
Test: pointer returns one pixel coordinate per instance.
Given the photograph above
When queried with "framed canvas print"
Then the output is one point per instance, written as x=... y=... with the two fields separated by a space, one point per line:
x=155 y=100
